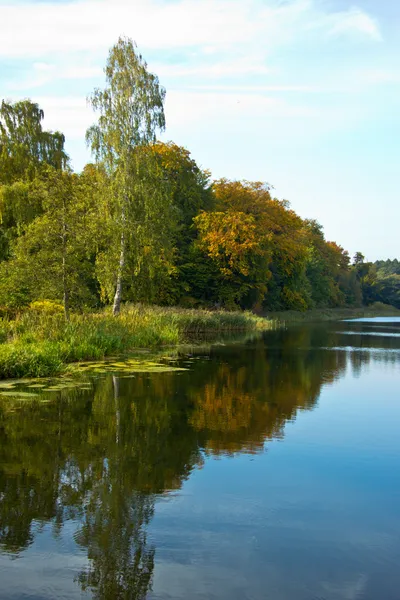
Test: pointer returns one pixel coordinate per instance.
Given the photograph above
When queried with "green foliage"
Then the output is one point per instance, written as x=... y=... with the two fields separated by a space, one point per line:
x=318 y=315
x=386 y=289
x=130 y=106
x=383 y=282
x=4 y=330
x=326 y=270
x=46 y=307
x=52 y=255
x=29 y=360
x=25 y=149
x=131 y=111
x=387 y=267
x=190 y=185
x=24 y=146
x=15 y=294
x=145 y=227
x=379 y=281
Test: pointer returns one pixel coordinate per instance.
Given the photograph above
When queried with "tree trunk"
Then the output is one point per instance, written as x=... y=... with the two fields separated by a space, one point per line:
x=118 y=289
x=64 y=274
x=66 y=304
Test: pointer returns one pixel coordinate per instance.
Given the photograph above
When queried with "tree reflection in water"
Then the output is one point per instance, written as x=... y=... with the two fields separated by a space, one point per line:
x=103 y=456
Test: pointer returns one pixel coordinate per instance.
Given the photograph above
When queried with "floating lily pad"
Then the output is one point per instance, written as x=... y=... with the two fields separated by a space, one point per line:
x=22 y=381
x=131 y=365
x=81 y=375
x=17 y=393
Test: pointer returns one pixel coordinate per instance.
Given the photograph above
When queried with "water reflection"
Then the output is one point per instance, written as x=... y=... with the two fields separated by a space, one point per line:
x=101 y=458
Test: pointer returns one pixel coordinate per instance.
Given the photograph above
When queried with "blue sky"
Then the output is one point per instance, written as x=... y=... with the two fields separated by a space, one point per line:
x=303 y=94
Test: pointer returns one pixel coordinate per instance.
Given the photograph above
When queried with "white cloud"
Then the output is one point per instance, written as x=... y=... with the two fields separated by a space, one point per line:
x=242 y=66
x=190 y=107
x=38 y=30
x=234 y=89
x=225 y=64
x=42 y=73
x=258 y=114
x=209 y=40
x=72 y=115
x=69 y=114
x=380 y=76
x=355 y=20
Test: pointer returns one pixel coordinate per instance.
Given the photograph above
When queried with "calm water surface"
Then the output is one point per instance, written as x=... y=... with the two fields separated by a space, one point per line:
x=267 y=470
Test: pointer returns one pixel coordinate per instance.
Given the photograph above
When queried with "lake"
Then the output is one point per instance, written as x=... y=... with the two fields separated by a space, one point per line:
x=261 y=469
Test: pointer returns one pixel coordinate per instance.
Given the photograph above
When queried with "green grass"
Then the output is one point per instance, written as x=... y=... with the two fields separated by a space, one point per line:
x=38 y=344
x=378 y=309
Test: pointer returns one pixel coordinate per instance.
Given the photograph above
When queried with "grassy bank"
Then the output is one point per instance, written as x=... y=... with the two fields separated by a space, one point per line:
x=334 y=314
x=39 y=343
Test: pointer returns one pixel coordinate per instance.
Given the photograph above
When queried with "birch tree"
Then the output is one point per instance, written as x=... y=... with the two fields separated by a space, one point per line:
x=25 y=150
x=24 y=145
x=131 y=111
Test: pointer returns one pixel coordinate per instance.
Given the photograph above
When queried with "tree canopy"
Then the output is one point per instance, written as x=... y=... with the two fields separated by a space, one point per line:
x=147 y=223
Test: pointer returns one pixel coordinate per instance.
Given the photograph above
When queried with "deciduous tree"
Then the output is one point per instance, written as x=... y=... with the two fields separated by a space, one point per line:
x=131 y=109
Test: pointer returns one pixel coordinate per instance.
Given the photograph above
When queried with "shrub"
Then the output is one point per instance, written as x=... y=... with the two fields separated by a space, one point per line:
x=46 y=307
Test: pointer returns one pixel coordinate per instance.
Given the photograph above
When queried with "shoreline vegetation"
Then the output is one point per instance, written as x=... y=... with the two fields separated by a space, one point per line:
x=378 y=309
x=40 y=343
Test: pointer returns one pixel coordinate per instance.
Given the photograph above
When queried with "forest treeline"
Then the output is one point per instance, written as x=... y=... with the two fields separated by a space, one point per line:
x=145 y=223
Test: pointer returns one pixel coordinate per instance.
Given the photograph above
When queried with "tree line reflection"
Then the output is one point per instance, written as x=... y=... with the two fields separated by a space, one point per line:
x=103 y=456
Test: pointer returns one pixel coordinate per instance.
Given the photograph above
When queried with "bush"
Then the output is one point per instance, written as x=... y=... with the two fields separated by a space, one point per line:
x=46 y=307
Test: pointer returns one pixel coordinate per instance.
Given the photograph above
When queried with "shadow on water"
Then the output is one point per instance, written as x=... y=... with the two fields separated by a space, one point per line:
x=101 y=457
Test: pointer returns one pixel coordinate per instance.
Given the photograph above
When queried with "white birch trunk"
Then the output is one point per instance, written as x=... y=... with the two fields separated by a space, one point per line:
x=118 y=289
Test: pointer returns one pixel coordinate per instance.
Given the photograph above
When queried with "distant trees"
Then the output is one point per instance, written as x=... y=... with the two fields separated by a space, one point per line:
x=381 y=282
x=147 y=223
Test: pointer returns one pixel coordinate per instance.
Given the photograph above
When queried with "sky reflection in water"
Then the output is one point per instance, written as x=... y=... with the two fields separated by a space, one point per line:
x=268 y=470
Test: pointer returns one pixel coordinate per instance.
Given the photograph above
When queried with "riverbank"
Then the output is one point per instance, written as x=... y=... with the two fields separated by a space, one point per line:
x=334 y=314
x=39 y=343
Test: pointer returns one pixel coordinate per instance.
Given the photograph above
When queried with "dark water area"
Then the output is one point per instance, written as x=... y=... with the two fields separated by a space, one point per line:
x=269 y=469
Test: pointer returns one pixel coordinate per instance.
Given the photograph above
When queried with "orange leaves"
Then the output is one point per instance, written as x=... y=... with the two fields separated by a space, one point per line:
x=244 y=196
x=172 y=155
x=228 y=238
x=278 y=230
